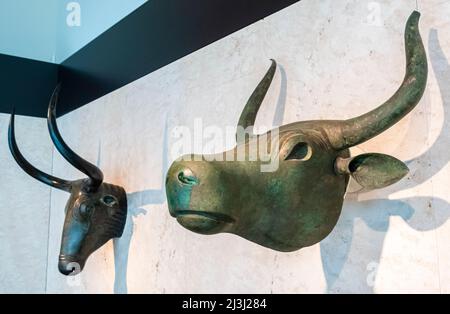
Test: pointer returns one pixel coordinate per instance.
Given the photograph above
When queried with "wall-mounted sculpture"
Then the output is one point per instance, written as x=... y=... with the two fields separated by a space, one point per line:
x=299 y=204
x=96 y=211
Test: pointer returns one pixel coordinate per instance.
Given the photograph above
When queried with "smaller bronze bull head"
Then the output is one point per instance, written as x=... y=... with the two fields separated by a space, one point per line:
x=96 y=211
x=299 y=204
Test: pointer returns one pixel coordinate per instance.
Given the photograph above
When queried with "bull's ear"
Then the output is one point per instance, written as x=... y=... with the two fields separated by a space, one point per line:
x=373 y=171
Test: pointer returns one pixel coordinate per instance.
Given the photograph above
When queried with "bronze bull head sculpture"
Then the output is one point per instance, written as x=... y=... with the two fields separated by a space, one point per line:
x=96 y=211
x=299 y=204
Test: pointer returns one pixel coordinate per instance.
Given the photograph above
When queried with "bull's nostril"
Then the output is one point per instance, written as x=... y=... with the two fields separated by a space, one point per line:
x=68 y=266
x=187 y=177
x=67 y=271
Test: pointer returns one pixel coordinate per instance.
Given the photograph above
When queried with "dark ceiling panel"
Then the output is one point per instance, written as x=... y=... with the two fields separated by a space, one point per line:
x=26 y=84
x=158 y=33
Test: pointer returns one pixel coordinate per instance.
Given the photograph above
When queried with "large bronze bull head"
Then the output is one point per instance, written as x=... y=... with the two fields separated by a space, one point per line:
x=299 y=204
x=96 y=211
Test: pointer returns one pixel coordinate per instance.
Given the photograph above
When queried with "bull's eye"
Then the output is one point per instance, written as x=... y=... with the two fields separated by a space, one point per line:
x=109 y=200
x=301 y=151
x=85 y=211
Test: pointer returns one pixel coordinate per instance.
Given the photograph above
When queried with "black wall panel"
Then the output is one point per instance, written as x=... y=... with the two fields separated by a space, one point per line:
x=156 y=34
x=26 y=84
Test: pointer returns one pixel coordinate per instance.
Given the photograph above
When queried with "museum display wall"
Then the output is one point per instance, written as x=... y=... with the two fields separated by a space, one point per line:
x=26 y=209
x=336 y=60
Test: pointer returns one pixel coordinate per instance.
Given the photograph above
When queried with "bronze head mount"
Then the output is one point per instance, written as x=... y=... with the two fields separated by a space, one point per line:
x=96 y=211
x=299 y=204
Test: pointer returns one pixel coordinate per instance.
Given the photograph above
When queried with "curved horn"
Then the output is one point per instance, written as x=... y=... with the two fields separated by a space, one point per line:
x=95 y=174
x=248 y=115
x=362 y=128
x=29 y=168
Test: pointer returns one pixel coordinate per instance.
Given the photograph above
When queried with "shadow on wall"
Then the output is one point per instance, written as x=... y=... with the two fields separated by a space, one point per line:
x=430 y=214
x=136 y=201
x=336 y=248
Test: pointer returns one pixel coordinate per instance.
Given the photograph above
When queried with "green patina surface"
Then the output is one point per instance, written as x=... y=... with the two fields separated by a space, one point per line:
x=299 y=204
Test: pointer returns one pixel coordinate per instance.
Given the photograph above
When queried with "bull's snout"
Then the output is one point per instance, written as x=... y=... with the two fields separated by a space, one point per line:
x=69 y=266
x=195 y=197
x=180 y=181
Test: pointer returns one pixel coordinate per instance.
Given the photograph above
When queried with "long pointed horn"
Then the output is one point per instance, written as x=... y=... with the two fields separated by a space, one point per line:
x=248 y=115
x=95 y=174
x=363 y=128
x=29 y=168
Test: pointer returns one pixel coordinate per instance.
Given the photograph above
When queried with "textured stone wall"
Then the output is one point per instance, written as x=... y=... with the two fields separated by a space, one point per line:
x=337 y=59
x=24 y=209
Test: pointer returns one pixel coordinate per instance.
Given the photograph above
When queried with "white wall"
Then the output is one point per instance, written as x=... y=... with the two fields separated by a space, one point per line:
x=336 y=61
x=24 y=209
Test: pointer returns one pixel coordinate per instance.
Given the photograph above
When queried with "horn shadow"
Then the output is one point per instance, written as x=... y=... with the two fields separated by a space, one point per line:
x=338 y=250
x=439 y=148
